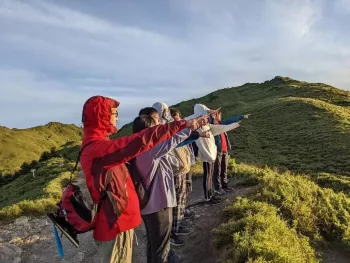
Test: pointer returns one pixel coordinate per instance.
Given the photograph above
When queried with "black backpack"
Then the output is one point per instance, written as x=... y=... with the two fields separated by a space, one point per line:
x=142 y=192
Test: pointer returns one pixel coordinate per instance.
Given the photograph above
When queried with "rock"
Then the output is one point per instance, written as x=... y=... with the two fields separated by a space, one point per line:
x=40 y=225
x=33 y=259
x=18 y=250
x=7 y=251
x=15 y=240
x=26 y=228
x=33 y=239
x=78 y=257
x=21 y=220
x=10 y=253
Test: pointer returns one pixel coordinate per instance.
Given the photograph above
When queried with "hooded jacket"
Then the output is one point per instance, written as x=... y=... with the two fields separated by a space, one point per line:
x=106 y=156
x=207 y=150
x=160 y=107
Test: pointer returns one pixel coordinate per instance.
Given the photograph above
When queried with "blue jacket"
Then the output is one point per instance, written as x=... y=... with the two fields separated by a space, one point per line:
x=226 y=122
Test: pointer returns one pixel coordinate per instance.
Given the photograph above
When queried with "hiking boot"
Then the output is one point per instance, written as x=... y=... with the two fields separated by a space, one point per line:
x=185 y=223
x=189 y=214
x=212 y=202
x=228 y=189
x=219 y=192
x=183 y=231
x=173 y=257
x=176 y=241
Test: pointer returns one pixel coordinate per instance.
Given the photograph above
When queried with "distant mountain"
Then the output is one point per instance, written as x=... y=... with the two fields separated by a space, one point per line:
x=25 y=145
x=294 y=125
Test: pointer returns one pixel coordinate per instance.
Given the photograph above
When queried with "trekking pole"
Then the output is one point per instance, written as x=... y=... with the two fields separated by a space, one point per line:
x=58 y=242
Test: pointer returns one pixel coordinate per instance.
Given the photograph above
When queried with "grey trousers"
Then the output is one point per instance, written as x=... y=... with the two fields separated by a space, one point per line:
x=158 y=227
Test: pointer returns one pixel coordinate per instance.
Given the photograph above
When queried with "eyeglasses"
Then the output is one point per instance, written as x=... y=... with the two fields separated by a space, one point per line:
x=115 y=113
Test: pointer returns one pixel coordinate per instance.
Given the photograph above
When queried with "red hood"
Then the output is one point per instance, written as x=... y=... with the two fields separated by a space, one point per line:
x=96 y=118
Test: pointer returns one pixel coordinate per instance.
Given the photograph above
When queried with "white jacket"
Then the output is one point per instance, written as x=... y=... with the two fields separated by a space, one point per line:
x=207 y=150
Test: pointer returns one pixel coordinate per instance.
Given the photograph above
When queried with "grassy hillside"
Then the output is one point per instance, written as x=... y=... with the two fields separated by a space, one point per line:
x=287 y=219
x=299 y=126
x=33 y=196
x=25 y=145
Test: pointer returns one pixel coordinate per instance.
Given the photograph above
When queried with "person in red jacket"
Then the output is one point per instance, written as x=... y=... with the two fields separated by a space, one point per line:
x=107 y=177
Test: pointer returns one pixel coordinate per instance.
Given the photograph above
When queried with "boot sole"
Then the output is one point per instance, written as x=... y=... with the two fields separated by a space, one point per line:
x=176 y=245
x=183 y=234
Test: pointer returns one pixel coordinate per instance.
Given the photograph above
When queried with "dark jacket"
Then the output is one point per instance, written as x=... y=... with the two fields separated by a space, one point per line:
x=226 y=122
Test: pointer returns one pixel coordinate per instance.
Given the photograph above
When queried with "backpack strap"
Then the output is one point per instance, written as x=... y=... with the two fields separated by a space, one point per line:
x=131 y=165
x=78 y=159
x=106 y=193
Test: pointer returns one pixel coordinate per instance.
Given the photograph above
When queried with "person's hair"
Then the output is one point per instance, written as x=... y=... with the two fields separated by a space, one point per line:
x=142 y=122
x=148 y=111
x=175 y=112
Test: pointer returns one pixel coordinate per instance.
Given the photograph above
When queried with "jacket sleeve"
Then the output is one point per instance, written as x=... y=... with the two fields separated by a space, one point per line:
x=125 y=148
x=218 y=129
x=193 y=116
x=168 y=145
x=233 y=119
x=193 y=136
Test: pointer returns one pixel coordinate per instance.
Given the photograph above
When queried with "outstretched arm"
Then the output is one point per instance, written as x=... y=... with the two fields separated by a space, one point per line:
x=120 y=150
x=170 y=144
x=218 y=129
x=233 y=119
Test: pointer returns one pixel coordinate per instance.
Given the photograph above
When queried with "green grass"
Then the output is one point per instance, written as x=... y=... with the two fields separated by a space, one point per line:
x=287 y=219
x=316 y=212
x=35 y=196
x=25 y=145
x=256 y=233
x=337 y=183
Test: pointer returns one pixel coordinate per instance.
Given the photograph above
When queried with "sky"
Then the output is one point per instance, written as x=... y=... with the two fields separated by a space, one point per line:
x=55 y=54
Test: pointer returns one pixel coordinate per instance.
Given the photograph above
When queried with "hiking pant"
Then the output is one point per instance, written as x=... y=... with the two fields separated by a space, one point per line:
x=158 y=228
x=181 y=199
x=189 y=182
x=118 y=250
x=208 y=168
x=220 y=171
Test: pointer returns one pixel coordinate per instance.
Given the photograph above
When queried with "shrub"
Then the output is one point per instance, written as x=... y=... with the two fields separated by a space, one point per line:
x=310 y=209
x=255 y=233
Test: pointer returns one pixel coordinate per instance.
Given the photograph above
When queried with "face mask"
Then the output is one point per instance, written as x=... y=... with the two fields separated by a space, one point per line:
x=167 y=117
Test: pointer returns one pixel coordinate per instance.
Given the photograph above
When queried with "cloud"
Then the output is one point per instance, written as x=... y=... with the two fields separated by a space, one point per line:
x=55 y=54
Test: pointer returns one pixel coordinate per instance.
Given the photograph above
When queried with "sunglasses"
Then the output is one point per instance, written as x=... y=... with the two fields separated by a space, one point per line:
x=115 y=113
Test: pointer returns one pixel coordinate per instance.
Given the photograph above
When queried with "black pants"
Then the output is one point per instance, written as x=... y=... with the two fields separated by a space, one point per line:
x=208 y=179
x=158 y=227
x=220 y=171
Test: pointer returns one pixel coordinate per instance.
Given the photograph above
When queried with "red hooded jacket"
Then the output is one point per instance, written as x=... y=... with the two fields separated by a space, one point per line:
x=105 y=155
